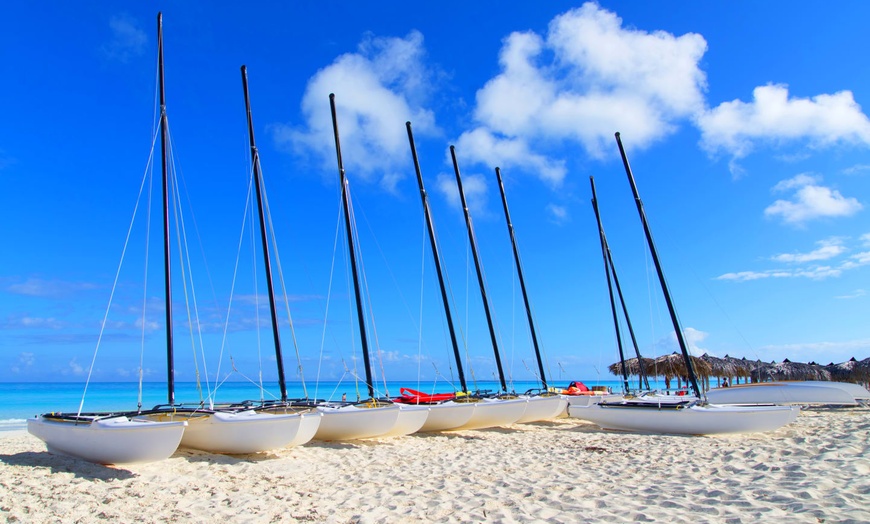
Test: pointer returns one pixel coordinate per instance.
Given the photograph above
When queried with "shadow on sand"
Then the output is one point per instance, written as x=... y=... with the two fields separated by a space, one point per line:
x=64 y=464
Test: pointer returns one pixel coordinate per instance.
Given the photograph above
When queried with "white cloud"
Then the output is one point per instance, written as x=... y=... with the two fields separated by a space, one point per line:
x=694 y=338
x=810 y=201
x=829 y=248
x=475 y=189
x=803 y=179
x=483 y=147
x=772 y=117
x=75 y=368
x=855 y=294
x=835 y=352
x=815 y=273
x=377 y=89
x=587 y=78
x=558 y=214
x=36 y=287
x=857 y=169
x=127 y=39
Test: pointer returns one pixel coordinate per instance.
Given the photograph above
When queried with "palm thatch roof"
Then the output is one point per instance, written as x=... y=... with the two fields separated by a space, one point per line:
x=674 y=365
x=852 y=370
x=632 y=365
x=725 y=366
x=788 y=370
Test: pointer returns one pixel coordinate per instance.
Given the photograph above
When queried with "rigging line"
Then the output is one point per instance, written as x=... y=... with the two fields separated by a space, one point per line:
x=395 y=281
x=328 y=299
x=368 y=295
x=141 y=373
x=184 y=252
x=271 y=226
x=253 y=238
x=177 y=171
x=420 y=328
x=248 y=200
x=117 y=275
x=350 y=307
x=541 y=347
x=449 y=287
x=184 y=276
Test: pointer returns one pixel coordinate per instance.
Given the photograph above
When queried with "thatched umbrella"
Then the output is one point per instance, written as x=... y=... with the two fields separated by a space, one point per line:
x=843 y=371
x=861 y=373
x=719 y=367
x=788 y=370
x=673 y=365
x=632 y=365
x=742 y=367
x=759 y=371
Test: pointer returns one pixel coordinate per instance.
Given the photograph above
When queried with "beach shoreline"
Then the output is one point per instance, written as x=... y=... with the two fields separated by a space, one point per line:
x=565 y=470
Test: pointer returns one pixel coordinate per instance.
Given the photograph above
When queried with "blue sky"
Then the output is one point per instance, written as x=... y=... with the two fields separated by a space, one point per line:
x=745 y=125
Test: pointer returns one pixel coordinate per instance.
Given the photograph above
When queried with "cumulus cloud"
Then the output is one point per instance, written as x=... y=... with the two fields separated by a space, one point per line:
x=475 y=189
x=810 y=201
x=585 y=79
x=36 y=287
x=483 y=147
x=694 y=338
x=804 y=265
x=835 y=351
x=828 y=248
x=127 y=40
x=379 y=87
x=558 y=214
x=773 y=117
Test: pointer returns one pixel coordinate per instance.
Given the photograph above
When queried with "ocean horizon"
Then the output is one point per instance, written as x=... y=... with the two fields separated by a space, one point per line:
x=22 y=400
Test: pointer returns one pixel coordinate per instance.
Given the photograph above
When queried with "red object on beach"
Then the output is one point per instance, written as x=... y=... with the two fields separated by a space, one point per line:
x=577 y=388
x=410 y=396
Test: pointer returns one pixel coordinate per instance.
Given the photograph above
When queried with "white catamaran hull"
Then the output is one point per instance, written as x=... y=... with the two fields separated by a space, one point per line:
x=237 y=433
x=353 y=423
x=492 y=413
x=307 y=428
x=781 y=393
x=694 y=420
x=543 y=408
x=447 y=416
x=411 y=419
x=118 y=440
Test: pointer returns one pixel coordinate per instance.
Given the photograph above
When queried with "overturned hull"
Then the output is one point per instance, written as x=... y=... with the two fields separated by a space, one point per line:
x=689 y=419
x=784 y=393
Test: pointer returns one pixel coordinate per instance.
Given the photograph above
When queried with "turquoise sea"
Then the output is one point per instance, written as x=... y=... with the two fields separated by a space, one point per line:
x=22 y=400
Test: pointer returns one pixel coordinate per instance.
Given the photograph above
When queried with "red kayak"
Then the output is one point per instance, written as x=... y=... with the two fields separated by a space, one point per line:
x=410 y=396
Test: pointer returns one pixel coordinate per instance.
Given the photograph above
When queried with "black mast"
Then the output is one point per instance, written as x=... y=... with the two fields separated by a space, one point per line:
x=437 y=257
x=473 y=242
x=510 y=226
x=255 y=159
x=642 y=380
x=610 y=287
x=170 y=357
x=345 y=199
x=679 y=331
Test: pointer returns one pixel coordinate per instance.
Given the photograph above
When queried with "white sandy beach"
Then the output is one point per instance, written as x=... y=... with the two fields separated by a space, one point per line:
x=815 y=470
